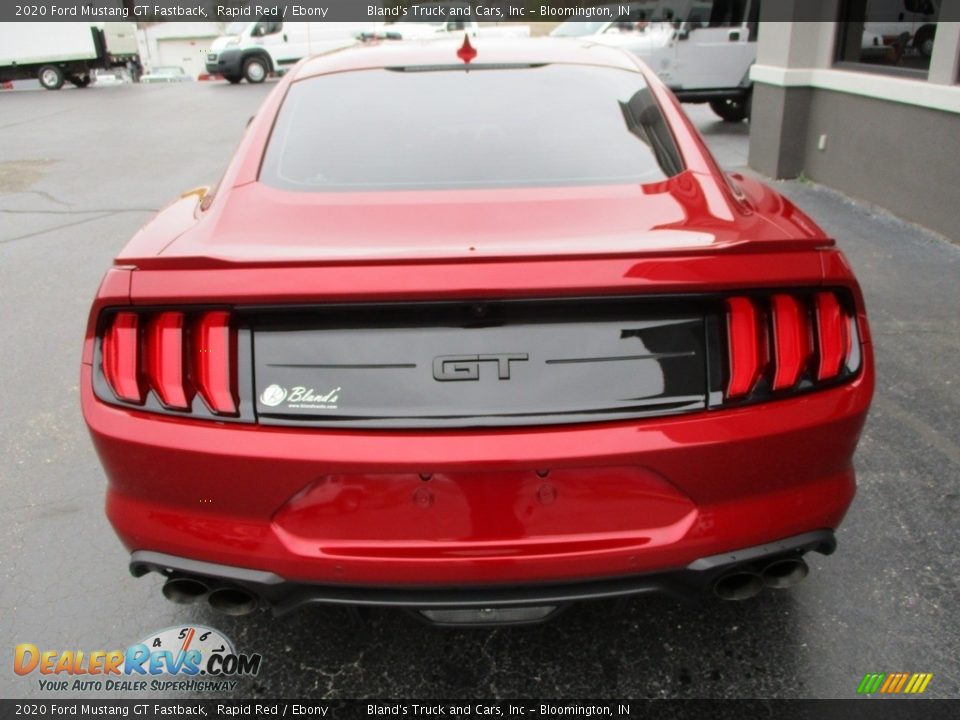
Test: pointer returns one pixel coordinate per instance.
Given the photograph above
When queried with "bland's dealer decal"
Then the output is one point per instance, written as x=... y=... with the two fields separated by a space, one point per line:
x=300 y=397
x=172 y=659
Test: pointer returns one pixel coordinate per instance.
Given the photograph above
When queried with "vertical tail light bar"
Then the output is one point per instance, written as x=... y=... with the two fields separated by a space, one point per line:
x=214 y=361
x=174 y=354
x=165 y=359
x=746 y=346
x=791 y=340
x=811 y=339
x=833 y=337
x=121 y=357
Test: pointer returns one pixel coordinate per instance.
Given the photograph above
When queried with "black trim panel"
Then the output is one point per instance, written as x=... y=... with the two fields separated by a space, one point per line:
x=479 y=363
x=284 y=596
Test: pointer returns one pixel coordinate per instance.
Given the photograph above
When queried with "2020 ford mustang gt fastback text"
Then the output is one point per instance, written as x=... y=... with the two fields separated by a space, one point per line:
x=476 y=332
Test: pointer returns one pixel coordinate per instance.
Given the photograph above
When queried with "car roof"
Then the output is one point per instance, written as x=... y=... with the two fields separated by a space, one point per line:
x=443 y=53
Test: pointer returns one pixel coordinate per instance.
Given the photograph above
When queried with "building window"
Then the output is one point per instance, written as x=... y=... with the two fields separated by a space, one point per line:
x=894 y=36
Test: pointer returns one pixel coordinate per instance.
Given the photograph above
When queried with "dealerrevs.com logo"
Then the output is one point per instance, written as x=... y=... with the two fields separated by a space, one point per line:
x=192 y=658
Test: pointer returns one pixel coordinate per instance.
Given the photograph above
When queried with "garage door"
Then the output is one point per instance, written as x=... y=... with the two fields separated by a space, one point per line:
x=188 y=54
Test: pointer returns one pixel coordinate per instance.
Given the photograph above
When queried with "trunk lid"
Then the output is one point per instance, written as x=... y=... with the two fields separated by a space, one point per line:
x=258 y=225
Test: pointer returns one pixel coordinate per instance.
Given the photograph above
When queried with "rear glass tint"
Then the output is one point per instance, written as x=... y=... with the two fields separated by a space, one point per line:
x=427 y=129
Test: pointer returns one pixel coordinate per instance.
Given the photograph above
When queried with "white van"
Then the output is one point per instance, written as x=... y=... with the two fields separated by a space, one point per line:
x=702 y=49
x=253 y=50
x=421 y=23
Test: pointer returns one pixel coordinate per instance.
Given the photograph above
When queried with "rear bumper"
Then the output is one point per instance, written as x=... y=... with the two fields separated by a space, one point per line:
x=482 y=507
x=284 y=596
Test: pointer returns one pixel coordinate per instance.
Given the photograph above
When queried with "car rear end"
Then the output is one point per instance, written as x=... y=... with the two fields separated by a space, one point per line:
x=535 y=395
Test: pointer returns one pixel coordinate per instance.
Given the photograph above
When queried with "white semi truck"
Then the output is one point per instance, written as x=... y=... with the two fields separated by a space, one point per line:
x=55 y=52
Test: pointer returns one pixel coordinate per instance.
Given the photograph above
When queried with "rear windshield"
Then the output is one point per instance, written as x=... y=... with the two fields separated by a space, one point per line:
x=412 y=129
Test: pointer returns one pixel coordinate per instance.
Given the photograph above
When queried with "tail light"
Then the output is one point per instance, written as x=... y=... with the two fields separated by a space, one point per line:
x=215 y=361
x=787 y=342
x=747 y=346
x=121 y=357
x=832 y=335
x=172 y=358
x=791 y=340
x=164 y=359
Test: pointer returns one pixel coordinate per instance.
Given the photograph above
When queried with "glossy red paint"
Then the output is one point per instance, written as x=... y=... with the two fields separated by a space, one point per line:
x=504 y=505
x=630 y=497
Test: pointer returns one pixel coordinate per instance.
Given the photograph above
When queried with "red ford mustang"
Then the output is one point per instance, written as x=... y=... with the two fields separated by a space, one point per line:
x=475 y=332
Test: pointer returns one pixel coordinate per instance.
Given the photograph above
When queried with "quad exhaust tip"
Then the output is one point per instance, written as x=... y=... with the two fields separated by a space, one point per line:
x=184 y=590
x=738 y=585
x=746 y=582
x=785 y=573
x=232 y=601
x=228 y=600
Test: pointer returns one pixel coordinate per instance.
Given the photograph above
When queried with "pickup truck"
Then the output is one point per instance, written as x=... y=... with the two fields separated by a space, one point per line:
x=702 y=49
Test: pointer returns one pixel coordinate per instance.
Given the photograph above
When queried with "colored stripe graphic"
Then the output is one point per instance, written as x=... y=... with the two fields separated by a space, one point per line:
x=894 y=683
x=900 y=683
x=870 y=683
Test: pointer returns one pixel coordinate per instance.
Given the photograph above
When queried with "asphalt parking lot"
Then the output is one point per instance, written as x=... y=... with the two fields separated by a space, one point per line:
x=81 y=170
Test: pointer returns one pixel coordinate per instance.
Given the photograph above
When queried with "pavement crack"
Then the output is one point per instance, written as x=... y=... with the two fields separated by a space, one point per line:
x=43 y=194
x=34 y=119
x=77 y=212
x=57 y=227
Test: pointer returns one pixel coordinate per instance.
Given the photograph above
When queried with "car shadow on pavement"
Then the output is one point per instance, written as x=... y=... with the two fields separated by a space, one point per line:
x=641 y=647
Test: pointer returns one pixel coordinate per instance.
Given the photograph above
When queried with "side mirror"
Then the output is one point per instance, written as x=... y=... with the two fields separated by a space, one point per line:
x=684 y=32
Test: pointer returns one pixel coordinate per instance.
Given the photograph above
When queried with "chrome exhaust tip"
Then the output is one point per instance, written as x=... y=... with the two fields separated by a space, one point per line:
x=738 y=585
x=184 y=590
x=785 y=573
x=232 y=601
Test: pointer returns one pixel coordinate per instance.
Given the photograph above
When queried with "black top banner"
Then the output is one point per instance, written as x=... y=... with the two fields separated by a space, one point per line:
x=515 y=11
x=145 y=709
